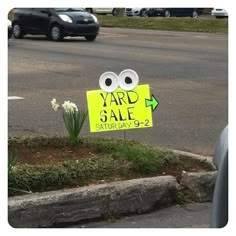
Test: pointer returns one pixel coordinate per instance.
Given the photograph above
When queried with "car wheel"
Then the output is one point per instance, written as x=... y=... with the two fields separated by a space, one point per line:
x=56 y=33
x=195 y=14
x=143 y=13
x=9 y=34
x=17 y=31
x=115 y=12
x=167 y=13
x=90 y=10
x=91 y=37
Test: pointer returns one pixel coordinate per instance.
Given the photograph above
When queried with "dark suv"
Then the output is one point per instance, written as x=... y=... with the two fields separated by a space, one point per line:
x=168 y=12
x=55 y=23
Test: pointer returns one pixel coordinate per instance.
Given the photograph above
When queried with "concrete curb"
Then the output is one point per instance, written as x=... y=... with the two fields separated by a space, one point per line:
x=68 y=206
x=200 y=185
x=63 y=207
x=209 y=159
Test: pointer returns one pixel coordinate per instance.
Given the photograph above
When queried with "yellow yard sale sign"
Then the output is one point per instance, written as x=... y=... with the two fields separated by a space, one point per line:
x=120 y=109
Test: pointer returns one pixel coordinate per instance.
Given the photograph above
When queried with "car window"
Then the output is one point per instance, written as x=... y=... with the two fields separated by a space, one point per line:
x=68 y=9
x=40 y=9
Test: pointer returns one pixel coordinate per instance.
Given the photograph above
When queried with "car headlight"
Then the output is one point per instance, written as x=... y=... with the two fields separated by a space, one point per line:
x=94 y=18
x=9 y=23
x=66 y=18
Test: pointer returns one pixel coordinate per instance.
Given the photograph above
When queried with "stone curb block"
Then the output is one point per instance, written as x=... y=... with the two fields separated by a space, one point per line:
x=179 y=153
x=201 y=185
x=50 y=209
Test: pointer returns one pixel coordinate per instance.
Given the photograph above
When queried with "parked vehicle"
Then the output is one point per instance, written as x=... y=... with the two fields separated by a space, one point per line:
x=168 y=12
x=9 y=29
x=103 y=11
x=219 y=213
x=219 y=13
x=136 y=12
x=55 y=23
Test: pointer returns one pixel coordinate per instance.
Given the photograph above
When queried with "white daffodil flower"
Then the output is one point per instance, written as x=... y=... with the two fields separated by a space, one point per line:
x=55 y=105
x=73 y=118
x=69 y=106
x=74 y=107
x=66 y=106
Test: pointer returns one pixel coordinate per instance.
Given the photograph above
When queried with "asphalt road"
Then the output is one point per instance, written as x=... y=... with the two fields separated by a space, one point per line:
x=193 y=215
x=187 y=73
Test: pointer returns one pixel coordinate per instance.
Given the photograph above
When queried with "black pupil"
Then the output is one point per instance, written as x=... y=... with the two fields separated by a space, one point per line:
x=108 y=82
x=128 y=80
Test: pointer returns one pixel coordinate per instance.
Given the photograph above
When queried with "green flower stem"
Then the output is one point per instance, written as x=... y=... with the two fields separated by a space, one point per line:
x=74 y=121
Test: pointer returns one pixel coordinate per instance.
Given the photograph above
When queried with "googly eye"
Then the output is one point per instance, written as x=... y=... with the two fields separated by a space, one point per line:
x=128 y=79
x=108 y=81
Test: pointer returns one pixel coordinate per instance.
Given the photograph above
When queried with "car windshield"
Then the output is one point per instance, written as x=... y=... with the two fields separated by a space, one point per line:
x=68 y=9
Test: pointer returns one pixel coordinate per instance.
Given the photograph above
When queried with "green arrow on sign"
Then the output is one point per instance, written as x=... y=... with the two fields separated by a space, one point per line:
x=152 y=102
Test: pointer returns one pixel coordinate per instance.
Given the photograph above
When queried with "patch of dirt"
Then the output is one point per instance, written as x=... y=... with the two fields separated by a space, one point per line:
x=178 y=170
x=49 y=154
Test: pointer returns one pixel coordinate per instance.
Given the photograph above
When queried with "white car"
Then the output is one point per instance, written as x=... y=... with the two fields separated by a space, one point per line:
x=103 y=11
x=219 y=13
x=136 y=11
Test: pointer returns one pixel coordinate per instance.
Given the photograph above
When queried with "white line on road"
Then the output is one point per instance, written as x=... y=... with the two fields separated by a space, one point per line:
x=15 y=98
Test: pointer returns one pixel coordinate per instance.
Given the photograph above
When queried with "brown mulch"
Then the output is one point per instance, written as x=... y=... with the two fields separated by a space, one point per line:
x=52 y=154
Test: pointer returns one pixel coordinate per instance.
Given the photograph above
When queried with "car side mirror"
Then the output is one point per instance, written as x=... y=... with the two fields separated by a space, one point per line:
x=46 y=12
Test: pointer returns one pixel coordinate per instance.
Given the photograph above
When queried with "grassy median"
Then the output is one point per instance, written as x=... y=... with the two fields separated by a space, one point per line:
x=42 y=163
x=210 y=25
